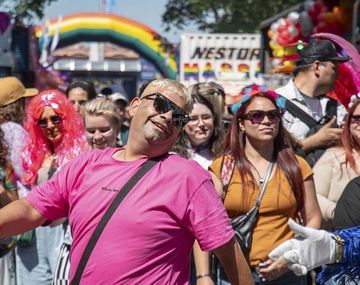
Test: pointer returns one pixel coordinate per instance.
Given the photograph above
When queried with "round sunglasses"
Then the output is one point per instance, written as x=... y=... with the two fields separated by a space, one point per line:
x=43 y=122
x=257 y=116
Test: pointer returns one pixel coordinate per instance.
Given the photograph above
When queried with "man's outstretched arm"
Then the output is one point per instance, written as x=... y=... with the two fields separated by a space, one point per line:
x=234 y=263
x=18 y=217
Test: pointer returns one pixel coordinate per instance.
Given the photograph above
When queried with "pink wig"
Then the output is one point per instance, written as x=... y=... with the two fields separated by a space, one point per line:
x=36 y=145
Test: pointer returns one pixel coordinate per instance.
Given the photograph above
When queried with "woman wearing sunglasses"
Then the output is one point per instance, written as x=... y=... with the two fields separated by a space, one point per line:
x=56 y=135
x=338 y=165
x=256 y=139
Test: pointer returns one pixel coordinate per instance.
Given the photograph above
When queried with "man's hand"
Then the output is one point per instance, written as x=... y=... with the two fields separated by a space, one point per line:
x=326 y=136
x=309 y=249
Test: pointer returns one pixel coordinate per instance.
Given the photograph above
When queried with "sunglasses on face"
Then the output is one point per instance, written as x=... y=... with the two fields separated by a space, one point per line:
x=164 y=105
x=355 y=119
x=55 y=120
x=257 y=116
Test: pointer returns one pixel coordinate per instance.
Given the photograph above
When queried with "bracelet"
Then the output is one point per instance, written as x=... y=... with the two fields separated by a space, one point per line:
x=202 y=275
x=339 y=248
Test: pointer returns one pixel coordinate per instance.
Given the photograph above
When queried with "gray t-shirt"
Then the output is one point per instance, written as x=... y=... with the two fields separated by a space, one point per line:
x=314 y=105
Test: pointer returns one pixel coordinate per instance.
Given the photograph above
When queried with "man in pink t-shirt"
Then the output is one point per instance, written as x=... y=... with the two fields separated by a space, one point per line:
x=148 y=239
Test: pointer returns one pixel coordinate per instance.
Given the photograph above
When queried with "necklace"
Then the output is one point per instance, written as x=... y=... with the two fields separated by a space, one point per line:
x=261 y=179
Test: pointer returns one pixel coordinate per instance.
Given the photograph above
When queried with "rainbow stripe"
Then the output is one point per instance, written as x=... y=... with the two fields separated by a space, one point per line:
x=226 y=67
x=118 y=30
x=208 y=71
x=244 y=68
x=191 y=71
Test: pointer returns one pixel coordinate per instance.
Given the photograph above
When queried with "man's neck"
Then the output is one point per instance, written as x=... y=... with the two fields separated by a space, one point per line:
x=306 y=86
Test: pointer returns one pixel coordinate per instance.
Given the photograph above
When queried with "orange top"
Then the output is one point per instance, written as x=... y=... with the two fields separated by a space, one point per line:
x=277 y=206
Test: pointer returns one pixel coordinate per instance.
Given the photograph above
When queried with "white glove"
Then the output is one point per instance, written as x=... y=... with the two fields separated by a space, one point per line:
x=310 y=248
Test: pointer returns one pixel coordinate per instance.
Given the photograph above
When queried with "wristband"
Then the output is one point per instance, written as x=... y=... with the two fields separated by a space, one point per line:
x=339 y=248
x=202 y=275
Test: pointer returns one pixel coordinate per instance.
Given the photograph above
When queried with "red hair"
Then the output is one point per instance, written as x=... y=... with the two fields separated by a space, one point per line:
x=347 y=140
x=36 y=145
x=234 y=145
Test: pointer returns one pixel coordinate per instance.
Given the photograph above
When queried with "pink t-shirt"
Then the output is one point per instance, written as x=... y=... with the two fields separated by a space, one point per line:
x=149 y=238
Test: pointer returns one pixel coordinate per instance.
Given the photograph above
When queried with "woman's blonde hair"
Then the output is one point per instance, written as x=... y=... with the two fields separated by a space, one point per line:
x=103 y=107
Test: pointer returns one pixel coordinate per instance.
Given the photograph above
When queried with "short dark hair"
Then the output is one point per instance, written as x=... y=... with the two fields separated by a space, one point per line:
x=88 y=87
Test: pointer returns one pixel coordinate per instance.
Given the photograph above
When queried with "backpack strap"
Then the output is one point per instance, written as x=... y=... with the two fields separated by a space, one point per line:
x=227 y=172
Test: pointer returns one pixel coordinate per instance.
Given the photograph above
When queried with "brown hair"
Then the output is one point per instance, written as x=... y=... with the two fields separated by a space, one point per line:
x=283 y=154
x=347 y=141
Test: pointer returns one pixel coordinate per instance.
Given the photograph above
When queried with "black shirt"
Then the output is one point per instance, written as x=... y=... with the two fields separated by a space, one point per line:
x=347 y=211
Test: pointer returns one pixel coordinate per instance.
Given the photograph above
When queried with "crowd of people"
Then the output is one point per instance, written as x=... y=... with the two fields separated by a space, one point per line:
x=88 y=198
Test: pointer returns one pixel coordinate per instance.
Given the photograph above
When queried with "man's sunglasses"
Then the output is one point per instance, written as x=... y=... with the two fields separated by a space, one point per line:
x=164 y=105
x=257 y=116
x=55 y=120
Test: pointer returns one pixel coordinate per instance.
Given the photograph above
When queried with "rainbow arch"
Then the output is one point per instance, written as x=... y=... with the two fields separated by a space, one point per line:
x=118 y=30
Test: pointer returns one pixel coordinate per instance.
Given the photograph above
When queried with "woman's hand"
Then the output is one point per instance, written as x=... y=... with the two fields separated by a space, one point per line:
x=271 y=270
x=206 y=280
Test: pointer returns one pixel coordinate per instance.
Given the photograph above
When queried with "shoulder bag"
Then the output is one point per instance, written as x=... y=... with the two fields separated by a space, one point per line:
x=243 y=225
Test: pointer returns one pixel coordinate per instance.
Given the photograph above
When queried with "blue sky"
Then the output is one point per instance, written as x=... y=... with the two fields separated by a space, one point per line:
x=147 y=12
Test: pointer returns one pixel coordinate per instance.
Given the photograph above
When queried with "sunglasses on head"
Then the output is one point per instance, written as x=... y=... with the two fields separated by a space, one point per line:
x=355 y=119
x=257 y=116
x=43 y=123
x=164 y=105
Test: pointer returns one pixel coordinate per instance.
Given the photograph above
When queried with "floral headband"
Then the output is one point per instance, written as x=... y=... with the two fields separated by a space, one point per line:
x=353 y=98
x=254 y=89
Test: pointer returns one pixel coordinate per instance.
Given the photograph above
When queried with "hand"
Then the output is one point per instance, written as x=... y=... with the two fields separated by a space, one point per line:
x=309 y=249
x=328 y=135
x=273 y=269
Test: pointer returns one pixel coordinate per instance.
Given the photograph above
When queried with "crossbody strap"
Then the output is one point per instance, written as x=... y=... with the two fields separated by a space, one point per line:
x=263 y=185
x=108 y=214
x=299 y=113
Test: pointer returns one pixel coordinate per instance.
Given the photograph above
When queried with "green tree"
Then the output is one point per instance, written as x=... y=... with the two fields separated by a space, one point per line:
x=227 y=16
x=26 y=9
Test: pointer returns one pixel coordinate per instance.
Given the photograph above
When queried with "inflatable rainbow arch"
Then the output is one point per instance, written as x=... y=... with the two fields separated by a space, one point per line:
x=118 y=30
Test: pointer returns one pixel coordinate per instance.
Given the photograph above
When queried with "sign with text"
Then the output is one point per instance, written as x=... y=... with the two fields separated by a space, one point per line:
x=219 y=57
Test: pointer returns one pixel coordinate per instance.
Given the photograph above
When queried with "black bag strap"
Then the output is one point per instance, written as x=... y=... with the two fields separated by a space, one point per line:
x=292 y=108
x=299 y=113
x=120 y=196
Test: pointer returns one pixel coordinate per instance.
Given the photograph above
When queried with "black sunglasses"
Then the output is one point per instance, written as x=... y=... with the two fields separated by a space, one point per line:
x=164 y=105
x=42 y=123
x=257 y=116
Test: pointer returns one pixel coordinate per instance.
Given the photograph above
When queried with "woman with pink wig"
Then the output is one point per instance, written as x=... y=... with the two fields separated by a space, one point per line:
x=56 y=135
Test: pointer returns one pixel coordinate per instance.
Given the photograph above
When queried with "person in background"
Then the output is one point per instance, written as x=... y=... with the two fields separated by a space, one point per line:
x=102 y=121
x=149 y=237
x=79 y=92
x=256 y=140
x=121 y=102
x=56 y=135
x=338 y=165
x=215 y=93
x=201 y=141
x=8 y=194
x=314 y=76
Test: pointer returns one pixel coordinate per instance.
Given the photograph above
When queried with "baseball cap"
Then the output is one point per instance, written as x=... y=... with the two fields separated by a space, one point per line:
x=118 y=96
x=322 y=50
x=11 y=90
